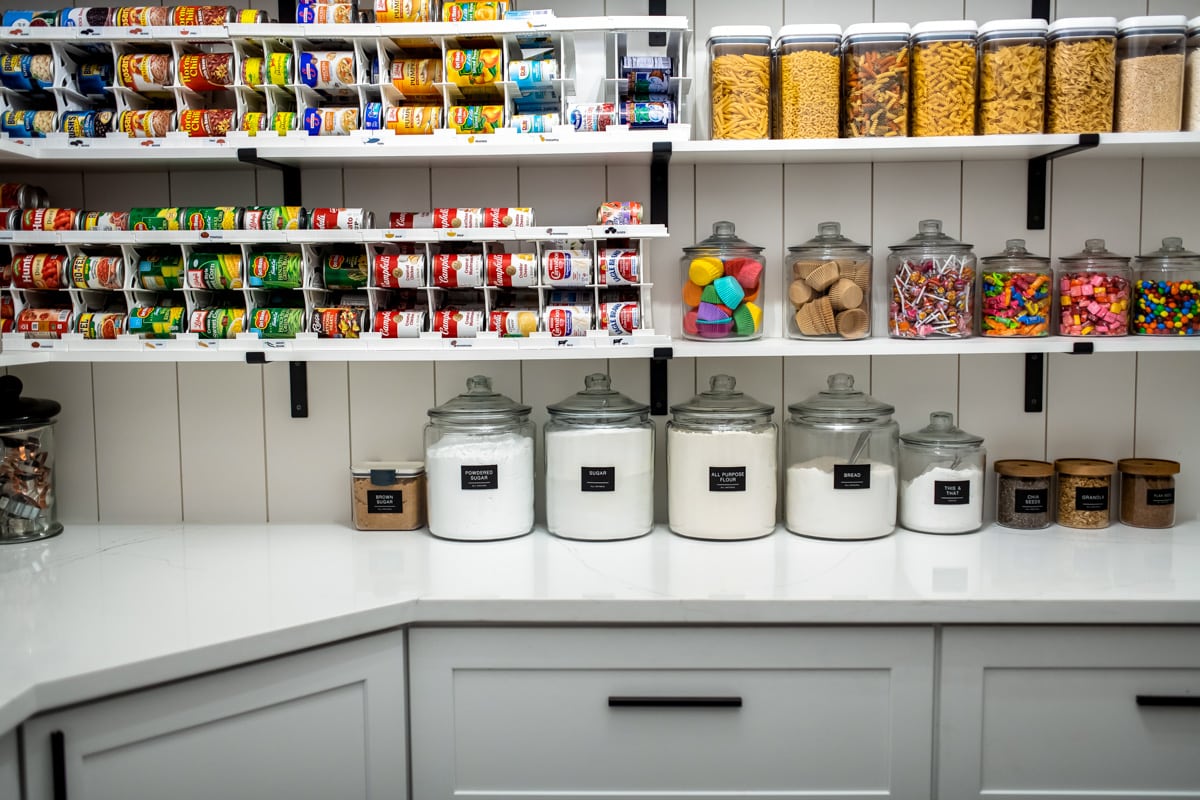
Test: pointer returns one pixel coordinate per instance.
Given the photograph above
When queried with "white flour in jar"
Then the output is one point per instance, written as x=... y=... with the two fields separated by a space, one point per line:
x=943 y=500
x=816 y=508
x=480 y=486
x=600 y=482
x=721 y=484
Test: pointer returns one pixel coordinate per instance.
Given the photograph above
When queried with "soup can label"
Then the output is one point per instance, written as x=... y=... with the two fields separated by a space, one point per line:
x=144 y=72
x=456 y=323
x=50 y=219
x=283 y=121
x=399 y=271
x=141 y=16
x=185 y=16
x=345 y=271
x=253 y=122
x=512 y=269
x=404 y=11
x=212 y=218
x=273 y=218
x=412 y=120
x=328 y=70
x=458 y=270
x=620 y=319
x=410 y=220
x=96 y=272
x=154 y=219
x=146 y=124
x=160 y=272
x=275 y=270
x=207 y=122
x=564 y=321
x=619 y=266
x=217 y=323
x=331 y=121
x=623 y=212
x=416 y=76
x=214 y=271
x=567 y=267
x=45 y=323
x=338 y=323
x=40 y=271
x=87 y=124
x=27 y=73
x=277 y=323
x=344 y=219
x=105 y=221
x=156 y=322
x=100 y=324
x=514 y=322
x=399 y=324
x=206 y=72
x=325 y=13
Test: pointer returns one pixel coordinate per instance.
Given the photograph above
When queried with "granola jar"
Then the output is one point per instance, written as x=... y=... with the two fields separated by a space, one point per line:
x=1084 y=492
x=1081 y=75
x=875 y=80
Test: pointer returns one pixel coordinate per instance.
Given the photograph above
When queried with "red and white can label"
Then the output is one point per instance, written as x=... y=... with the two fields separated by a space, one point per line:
x=620 y=319
x=567 y=267
x=339 y=219
x=619 y=267
x=411 y=219
x=512 y=269
x=398 y=271
x=399 y=324
x=454 y=323
x=513 y=322
x=562 y=321
x=458 y=270
x=49 y=219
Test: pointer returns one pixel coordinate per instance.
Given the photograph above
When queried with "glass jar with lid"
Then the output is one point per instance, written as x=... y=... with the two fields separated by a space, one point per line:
x=1012 y=76
x=1166 y=291
x=1148 y=492
x=828 y=286
x=1150 y=70
x=875 y=80
x=1093 y=292
x=1191 y=88
x=721 y=277
x=841 y=457
x=1084 y=492
x=599 y=465
x=933 y=282
x=1016 y=295
x=28 y=506
x=941 y=478
x=721 y=465
x=807 y=81
x=479 y=466
x=739 y=58
x=943 y=78
x=1081 y=75
x=1023 y=493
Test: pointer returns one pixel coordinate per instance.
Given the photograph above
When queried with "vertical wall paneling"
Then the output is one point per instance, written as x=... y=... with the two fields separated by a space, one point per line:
x=987 y=10
x=916 y=385
x=1090 y=405
x=474 y=186
x=118 y=191
x=913 y=11
x=1087 y=202
x=386 y=190
x=993 y=208
x=320 y=188
x=222 y=187
x=563 y=195
x=269 y=183
x=844 y=13
x=1099 y=8
x=804 y=377
x=1167 y=384
x=1189 y=7
x=450 y=378
x=665 y=253
x=65 y=189
x=815 y=193
x=387 y=410
x=1170 y=197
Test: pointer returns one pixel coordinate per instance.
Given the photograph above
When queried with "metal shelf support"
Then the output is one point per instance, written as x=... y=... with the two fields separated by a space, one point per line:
x=1035 y=207
x=291 y=175
x=658 y=380
x=660 y=194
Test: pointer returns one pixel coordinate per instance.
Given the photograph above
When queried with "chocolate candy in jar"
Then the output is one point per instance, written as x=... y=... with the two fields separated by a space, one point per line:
x=1166 y=291
x=1016 y=292
x=721 y=278
x=827 y=281
x=27 y=501
x=1093 y=289
x=1023 y=493
x=1148 y=492
x=1084 y=497
x=932 y=286
x=941 y=478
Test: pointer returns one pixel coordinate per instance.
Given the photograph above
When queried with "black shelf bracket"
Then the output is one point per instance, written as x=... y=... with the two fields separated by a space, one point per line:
x=1035 y=383
x=1035 y=207
x=658 y=380
x=291 y=175
x=298 y=383
x=658 y=8
x=660 y=195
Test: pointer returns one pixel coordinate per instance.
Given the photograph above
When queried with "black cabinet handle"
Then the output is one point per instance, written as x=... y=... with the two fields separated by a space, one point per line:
x=1169 y=700
x=674 y=702
x=58 y=765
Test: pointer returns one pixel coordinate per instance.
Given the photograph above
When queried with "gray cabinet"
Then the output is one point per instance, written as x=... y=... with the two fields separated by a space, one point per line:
x=10 y=776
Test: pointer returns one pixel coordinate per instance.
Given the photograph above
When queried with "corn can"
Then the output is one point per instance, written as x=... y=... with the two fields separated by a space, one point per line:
x=160 y=272
x=211 y=218
x=217 y=323
x=214 y=271
x=274 y=218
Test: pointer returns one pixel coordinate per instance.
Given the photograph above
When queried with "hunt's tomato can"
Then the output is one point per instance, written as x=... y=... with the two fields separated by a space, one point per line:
x=50 y=219
x=40 y=271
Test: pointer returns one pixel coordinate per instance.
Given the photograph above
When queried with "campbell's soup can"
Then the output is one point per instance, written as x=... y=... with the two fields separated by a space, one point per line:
x=410 y=220
x=457 y=270
x=251 y=16
x=620 y=319
x=206 y=72
x=480 y=218
x=28 y=124
x=84 y=17
x=274 y=218
x=399 y=324
x=22 y=195
x=458 y=323
x=214 y=271
x=185 y=16
x=207 y=122
x=512 y=269
x=154 y=219
x=331 y=120
x=25 y=72
x=155 y=322
x=344 y=219
x=144 y=72
x=592 y=116
x=211 y=218
x=272 y=322
x=100 y=324
x=253 y=122
x=412 y=120
x=148 y=124
x=50 y=219
x=94 y=77
x=140 y=16
x=87 y=124
x=96 y=272
x=416 y=76
x=328 y=70
x=217 y=323
x=565 y=321
x=282 y=270
x=513 y=322
x=105 y=221
x=45 y=323
x=618 y=267
x=623 y=212
x=40 y=271
x=326 y=13
x=398 y=271
x=567 y=267
x=405 y=11
x=345 y=270
x=338 y=323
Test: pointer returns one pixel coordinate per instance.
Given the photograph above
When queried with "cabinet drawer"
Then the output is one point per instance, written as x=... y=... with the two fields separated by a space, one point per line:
x=670 y=713
x=1070 y=712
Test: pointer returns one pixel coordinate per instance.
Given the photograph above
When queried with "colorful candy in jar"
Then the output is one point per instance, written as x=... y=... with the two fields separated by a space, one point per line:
x=722 y=277
x=1093 y=292
x=1166 y=297
x=932 y=287
x=1016 y=289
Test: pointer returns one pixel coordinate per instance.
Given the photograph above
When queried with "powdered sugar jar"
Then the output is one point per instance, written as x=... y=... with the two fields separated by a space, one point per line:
x=599 y=465
x=941 y=478
x=933 y=281
x=479 y=466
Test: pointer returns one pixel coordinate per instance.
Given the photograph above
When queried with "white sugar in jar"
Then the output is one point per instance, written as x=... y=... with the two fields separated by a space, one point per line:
x=941 y=475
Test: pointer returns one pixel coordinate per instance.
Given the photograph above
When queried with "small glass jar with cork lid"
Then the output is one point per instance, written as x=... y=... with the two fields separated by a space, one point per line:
x=1023 y=493
x=1084 y=492
x=1148 y=492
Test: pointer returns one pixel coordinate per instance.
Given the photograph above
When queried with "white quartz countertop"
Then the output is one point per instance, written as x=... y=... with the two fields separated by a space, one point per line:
x=104 y=608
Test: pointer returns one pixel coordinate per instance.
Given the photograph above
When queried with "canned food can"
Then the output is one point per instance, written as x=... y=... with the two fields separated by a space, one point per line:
x=96 y=272
x=416 y=76
x=619 y=267
x=217 y=323
x=105 y=221
x=568 y=320
x=372 y=116
x=276 y=323
x=328 y=70
x=28 y=124
x=458 y=323
x=152 y=123
x=154 y=219
x=206 y=72
x=10 y=219
x=398 y=271
x=465 y=218
x=7 y=308
x=27 y=72
x=279 y=69
x=513 y=323
x=512 y=269
x=569 y=297
x=475 y=119
x=274 y=218
x=40 y=271
x=22 y=195
x=331 y=121
x=458 y=270
x=533 y=75
x=590 y=117
x=326 y=13
x=160 y=273
x=399 y=324
x=100 y=324
x=413 y=120
x=187 y=16
x=410 y=220
x=213 y=218
x=642 y=115
x=45 y=323
x=283 y=121
x=207 y=122
x=567 y=267
x=253 y=71
x=50 y=219
x=84 y=17
x=214 y=271
x=87 y=124
x=141 y=16
x=251 y=16
x=473 y=67
x=533 y=123
x=345 y=270
x=155 y=322
x=338 y=323
x=473 y=10
x=94 y=77
x=405 y=11
x=621 y=318
x=253 y=122
x=620 y=212
x=144 y=72
x=343 y=219
x=282 y=270
x=30 y=19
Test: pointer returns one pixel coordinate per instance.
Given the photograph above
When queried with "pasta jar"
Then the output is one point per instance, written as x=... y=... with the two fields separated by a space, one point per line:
x=1084 y=488
x=1166 y=291
x=599 y=465
x=1150 y=70
x=722 y=276
x=721 y=467
x=932 y=285
x=1012 y=76
x=1093 y=292
x=1148 y=492
x=1023 y=493
x=1191 y=104
x=27 y=499
x=1081 y=75
x=807 y=81
x=828 y=286
x=943 y=78
x=941 y=478
x=1016 y=294
x=479 y=466
x=841 y=457
x=875 y=79
x=740 y=81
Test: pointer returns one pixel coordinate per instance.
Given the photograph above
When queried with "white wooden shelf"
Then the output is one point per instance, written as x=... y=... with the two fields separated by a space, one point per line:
x=975 y=345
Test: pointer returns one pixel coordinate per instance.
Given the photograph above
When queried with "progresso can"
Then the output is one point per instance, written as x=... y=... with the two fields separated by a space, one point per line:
x=457 y=270
x=217 y=323
x=145 y=72
x=341 y=322
x=96 y=272
x=84 y=17
x=513 y=322
x=455 y=323
x=140 y=16
x=331 y=120
x=50 y=219
x=620 y=212
x=567 y=267
x=100 y=324
x=155 y=322
x=345 y=270
x=154 y=219
x=105 y=221
x=329 y=70
x=214 y=271
x=45 y=323
x=283 y=270
x=399 y=324
x=94 y=77
x=565 y=321
x=30 y=19
x=211 y=218
x=344 y=219
x=271 y=322
x=185 y=16
x=206 y=72
x=22 y=195
x=512 y=269
x=308 y=13
x=27 y=72
x=412 y=120
x=87 y=124
x=207 y=122
x=620 y=318
x=405 y=10
x=274 y=218
x=39 y=271
x=145 y=124
x=28 y=124
x=398 y=271
x=160 y=272
x=618 y=267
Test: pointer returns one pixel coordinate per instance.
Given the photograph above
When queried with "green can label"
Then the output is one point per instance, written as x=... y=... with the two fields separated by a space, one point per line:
x=154 y=219
x=345 y=271
x=156 y=322
x=217 y=323
x=279 y=69
x=273 y=218
x=275 y=270
x=212 y=218
x=160 y=272
x=277 y=323
x=214 y=271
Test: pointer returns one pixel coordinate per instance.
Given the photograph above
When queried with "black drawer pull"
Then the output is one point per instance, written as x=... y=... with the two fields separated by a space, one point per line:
x=674 y=702
x=1169 y=700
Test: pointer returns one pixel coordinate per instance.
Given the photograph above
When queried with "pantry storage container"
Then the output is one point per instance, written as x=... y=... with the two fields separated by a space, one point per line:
x=807 y=80
x=1148 y=492
x=1084 y=495
x=1150 y=71
x=1023 y=493
x=599 y=465
x=1081 y=75
x=1191 y=89
x=943 y=78
x=875 y=80
x=28 y=506
x=828 y=286
x=1093 y=288
x=1012 y=76
x=1016 y=294
x=941 y=478
x=1166 y=291
x=739 y=58
x=721 y=278
x=721 y=465
x=388 y=495
x=932 y=286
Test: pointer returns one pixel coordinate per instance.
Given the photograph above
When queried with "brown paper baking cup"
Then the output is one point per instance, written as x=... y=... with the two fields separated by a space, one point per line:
x=799 y=293
x=852 y=324
x=805 y=321
x=861 y=275
x=845 y=294
x=802 y=269
x=823 y=308
x=823 y=276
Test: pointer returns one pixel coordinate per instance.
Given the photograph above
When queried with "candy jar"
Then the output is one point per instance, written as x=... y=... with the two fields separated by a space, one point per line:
x=721 y=278
x=27 y=501
x=1093 y=292
x=875 y=80
x=841 y=457
x=1016 y=294
x=1081 y=75
x=1012 y=76
x=828 y=286
x=1150 y=70
x=721 y=465
x=933 y=278
x=807 y=82
x=740 y=81
x=941 y=478
x=1166 y=291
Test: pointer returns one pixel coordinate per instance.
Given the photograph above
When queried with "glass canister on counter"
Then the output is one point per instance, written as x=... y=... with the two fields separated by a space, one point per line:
x=1016 y=294
x=28 y=507
x=807 y=81
x=1166 y=291
x=721 y=279
x=1023 y=493
x=941 y=478
x=828 y=286
x=1084 y=492
x=841 y=464
x=740 y=81
x=943 y=78
x=875 y=59
x=1191 y=83
x=721 y=465
x=1012 y=76
x=1148 y=492
x=932 y=286
x=599 y=465
x=479 y=466
x=1081 y=75
x=1093 y=292
x=1150 y=71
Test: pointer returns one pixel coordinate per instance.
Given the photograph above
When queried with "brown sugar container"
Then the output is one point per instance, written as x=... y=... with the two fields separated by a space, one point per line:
x=388 y=495
x=1084 y=492
x=1148 y=492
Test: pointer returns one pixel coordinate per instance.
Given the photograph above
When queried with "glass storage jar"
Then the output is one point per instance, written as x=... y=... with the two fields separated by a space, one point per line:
x=28 y=506
x=1081 y=75
x=875 y=80
x=1016 y=294
x=943 y=78
x=479 y=466
x=1093 y=292
x=807 y=81
x=1012 y=76
x=941 y=478
x=828 y=286
x=721 y=465
x=599 y=465
x=721 y=279
x=739 y=58
x=1166 y=291
x=1084 y=492
x=932 y=285
x=841 y=457
x=1191 y=88
x=1148 y=492
x=1023 y=493
x=1150 y=69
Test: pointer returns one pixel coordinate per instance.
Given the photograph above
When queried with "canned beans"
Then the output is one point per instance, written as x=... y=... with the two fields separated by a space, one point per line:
x=147 y=124
x=207 y=122
x=144 y=72
x=206 y=72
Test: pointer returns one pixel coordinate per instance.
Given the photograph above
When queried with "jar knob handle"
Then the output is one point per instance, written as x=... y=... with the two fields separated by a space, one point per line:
x=1172 y=243
x=722 y=383
x=941 y=421
x=930 y=226
x=841 y=382
x=10 y=390
x=829 y=229
x=479 y=384
x=1093 y=245
x=1015 y=245
x=723 y=228
x=597 y=381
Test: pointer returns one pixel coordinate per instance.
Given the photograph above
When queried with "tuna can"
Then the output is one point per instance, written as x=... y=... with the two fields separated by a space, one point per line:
x=206 y=72
x=160 y=273
x=621 y=318
x=140 y=16
x=565 y=321
x=399 y=324
x=207 y=122
x=87 y=124
x=105 y=221
x=147 y=124
x=154 y=219
x=620 y=212
x=338 y=323
x=513 y=322
x=212 y=218
x=284 y=270
x=591 y=117
x=473 y=10
x=96 y=272
x=643 y=115
x=84 y=17
x=475 y=119
x=567 y=267
x=214 y=271
x=416 y=76
x=155 y=322
x=39 y=271
x=533 y=75
x=189 y=16
x=22 y=195
x=405 y=11
x=27 y=72
x=325 y=13
x=398 y=271
x=328 y=70
x=45 y=323
x=217 y=323
x=331 y=120
x=50 y=219
x=277 y=323
x=458 y=270
x=533 y=123
x=344 y=219
x=458 y=323
x=94 y=77
x=618 y=267
x=274 y=218
x=345 y=271
x=253 y=122
x=512 y=269
x=412 y=120
x=10 y=219
x=251 y=16
x=372 y=116
x=144 y=72
x=283 y=121
x=100 y=324
x=28 y=124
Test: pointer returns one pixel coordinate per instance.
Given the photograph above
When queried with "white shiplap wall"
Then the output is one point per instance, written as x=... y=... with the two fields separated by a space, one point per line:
x=215 y=442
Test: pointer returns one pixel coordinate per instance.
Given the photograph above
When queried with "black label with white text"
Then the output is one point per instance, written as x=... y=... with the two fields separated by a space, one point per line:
x=480 y=476
x=951 y=493
x=385 y=502
x=597 y=479
x=1031 y=501
x=1091 y=498
x=727 y=479
x=852 y=476
x=1160 y=497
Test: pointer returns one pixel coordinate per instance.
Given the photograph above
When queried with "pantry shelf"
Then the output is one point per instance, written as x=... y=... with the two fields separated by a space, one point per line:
x=976 y=345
